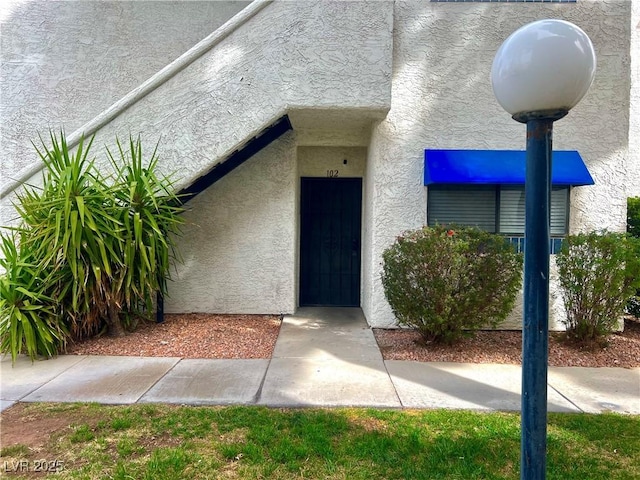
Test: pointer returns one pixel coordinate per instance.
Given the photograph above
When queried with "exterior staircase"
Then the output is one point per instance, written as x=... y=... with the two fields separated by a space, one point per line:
x=321 y=68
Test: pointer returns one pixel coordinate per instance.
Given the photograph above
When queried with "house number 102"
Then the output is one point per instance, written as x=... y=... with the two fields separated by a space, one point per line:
x=332 y=173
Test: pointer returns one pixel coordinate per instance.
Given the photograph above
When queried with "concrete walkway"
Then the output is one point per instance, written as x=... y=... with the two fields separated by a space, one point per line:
x=323 y=357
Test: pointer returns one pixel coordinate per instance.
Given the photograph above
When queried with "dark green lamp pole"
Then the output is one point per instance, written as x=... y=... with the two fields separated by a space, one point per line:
x=539 y=73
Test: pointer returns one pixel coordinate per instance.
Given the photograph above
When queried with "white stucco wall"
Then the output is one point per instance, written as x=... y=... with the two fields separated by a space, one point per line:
x=633 y=169
x=442 y=98
x=336 y=68
x=290 y=57
x=314 y=57
x=308 y=58
x=239 y=246
x=342 y=162
x=64 y=62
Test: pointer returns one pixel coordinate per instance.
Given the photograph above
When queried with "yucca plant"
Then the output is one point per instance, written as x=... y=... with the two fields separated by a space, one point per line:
x=100 y=247
x=149 y=213
x=70 y=226
x=29 y=311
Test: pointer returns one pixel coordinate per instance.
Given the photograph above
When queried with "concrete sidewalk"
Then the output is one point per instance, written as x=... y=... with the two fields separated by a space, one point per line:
x=323 y=358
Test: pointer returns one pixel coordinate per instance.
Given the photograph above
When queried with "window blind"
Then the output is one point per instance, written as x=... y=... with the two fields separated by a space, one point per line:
x=481 y=206
x=474 y=206
x=559 y=211
x=512 y=210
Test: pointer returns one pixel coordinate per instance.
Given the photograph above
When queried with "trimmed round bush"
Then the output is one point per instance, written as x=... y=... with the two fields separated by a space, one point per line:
x=447 y=281
x=598 y=273
x=633 y=228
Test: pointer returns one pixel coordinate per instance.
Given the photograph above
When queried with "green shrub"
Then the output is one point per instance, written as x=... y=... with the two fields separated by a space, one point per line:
x=633 y=216
x=633 y=228
x=598 y=272
x=446 y=281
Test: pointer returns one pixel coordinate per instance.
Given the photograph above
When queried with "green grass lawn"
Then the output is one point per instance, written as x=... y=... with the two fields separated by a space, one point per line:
x=176 y=442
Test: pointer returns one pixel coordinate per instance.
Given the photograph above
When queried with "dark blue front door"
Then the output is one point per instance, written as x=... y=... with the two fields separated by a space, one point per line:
x=330 y=241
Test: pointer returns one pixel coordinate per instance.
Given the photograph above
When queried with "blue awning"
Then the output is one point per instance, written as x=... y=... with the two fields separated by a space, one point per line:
x=499 y=167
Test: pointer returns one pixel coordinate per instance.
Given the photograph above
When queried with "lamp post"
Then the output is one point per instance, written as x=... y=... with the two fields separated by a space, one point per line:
x=539 y=73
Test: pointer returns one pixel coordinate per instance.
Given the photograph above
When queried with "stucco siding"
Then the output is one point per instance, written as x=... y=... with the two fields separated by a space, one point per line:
x=240 y=241
x=336 y=162
x=314 y=58
x=64 y=62
x=240 y=244
x=290 y=56
x=442 y=98
x=633 y=170
x=373 y=82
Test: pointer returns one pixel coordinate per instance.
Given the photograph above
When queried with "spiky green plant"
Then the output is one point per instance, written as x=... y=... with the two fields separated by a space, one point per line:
x=100 y=247
x=69 y=224
x=29 y=315
x=148 y=211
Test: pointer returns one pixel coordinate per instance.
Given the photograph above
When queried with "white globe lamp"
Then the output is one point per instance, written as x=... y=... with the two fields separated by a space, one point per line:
x=540 y=72
x=545 y=66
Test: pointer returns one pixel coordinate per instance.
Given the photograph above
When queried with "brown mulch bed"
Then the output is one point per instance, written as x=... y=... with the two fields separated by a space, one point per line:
x=622 y=349
x=192 y=335
x=201 y=335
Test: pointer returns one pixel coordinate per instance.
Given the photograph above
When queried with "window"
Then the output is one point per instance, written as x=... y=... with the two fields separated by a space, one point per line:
x=494 y=208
